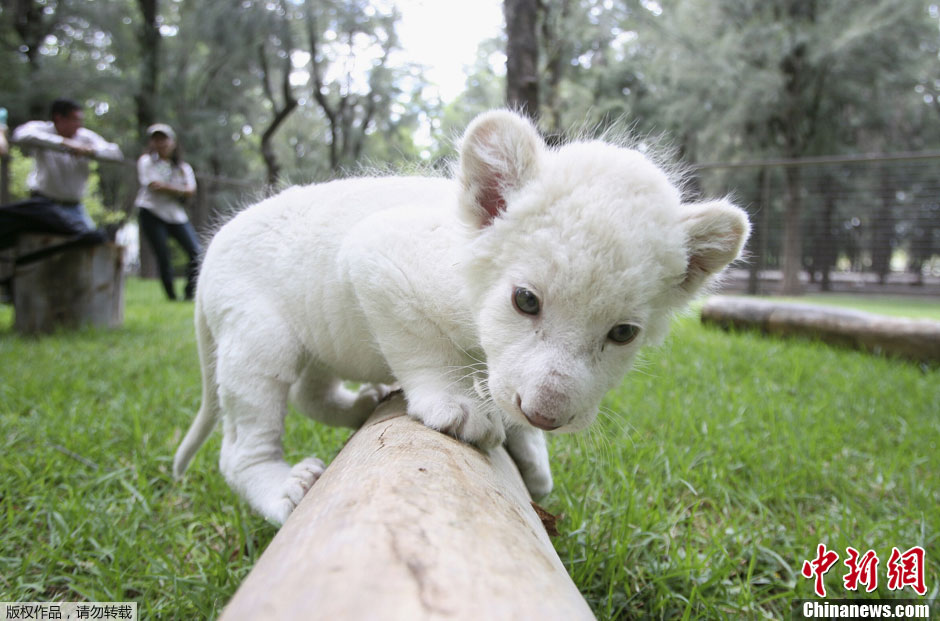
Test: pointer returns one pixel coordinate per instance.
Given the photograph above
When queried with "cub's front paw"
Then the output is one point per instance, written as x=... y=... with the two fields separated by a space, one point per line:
x=538 y=481
x=459 y=417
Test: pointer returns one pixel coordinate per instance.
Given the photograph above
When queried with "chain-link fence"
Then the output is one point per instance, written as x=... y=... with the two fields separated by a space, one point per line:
x=866 y=223
x=855 y=223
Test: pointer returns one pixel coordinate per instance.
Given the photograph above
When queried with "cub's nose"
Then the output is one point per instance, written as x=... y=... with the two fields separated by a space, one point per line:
x=536 y=419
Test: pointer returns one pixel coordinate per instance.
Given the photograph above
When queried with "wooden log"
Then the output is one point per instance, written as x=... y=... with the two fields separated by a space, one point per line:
x=80 y=285
x=916 y=339
x=408 y=523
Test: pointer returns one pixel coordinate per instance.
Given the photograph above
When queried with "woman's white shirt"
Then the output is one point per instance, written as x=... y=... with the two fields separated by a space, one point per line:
x=168 y=208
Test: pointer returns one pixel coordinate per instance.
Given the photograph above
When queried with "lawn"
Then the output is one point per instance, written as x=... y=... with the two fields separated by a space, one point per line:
x=915 y=307
x=714 y=472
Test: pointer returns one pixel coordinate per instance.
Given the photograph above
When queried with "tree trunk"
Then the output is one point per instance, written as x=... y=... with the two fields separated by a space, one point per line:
x=796 y=125
x=267 y=150
x=146 y=97
x=32 y=24
x=883 y=227
x=289 y=102
x=146 y=102
x=522 y=56
x=758 y=241
x=828 y=249
x=80 y=285
x=793 y=233
x=555 y=42
x=4 y=179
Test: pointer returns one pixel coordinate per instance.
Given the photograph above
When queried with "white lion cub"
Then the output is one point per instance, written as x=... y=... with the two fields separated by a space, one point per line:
x=504 y=302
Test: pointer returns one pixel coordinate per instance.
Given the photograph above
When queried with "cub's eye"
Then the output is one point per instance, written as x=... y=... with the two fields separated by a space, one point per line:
x=623 y=333
x=525 y=301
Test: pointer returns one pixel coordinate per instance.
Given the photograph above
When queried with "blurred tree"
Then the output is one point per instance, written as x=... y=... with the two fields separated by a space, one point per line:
x=281 y=41
x=30 y=22
x=726 y=79
x=753 y=79
x=149 y=38
x=66 y=49
x=522 y=55
x=211 y=83
x=485 y=90
x=778 y=75
x=590 y=65
x=349 y=46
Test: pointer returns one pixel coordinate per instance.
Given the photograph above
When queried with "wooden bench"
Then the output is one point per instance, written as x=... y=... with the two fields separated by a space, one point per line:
x=59 y=282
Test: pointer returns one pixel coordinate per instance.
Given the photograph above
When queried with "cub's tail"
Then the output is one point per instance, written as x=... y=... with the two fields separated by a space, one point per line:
x=209 y=411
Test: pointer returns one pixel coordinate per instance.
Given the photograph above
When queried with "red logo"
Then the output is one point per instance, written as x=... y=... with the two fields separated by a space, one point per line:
x=907 y=569
x=819 y=566
x=862 y=570
x=904 y=569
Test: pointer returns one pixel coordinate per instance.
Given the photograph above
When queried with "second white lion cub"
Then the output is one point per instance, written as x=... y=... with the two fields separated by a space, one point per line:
x=505 y=302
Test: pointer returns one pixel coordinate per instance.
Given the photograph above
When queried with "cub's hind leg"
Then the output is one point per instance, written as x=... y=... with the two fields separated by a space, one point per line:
x=255 y=369
x=326 y=399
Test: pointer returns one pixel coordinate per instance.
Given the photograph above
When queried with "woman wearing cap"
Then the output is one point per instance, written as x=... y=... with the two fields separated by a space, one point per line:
x=165 y=182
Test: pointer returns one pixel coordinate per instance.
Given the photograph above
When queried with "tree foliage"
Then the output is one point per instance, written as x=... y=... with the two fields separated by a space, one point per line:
x=228 y=76
x=298 y=90
x=738 y=80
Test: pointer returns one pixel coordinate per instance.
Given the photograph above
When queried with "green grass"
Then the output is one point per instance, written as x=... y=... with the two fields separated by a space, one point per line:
x=924 y=307
x=721 y=463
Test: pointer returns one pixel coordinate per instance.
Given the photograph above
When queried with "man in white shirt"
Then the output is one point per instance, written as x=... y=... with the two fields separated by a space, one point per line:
x=61 y=149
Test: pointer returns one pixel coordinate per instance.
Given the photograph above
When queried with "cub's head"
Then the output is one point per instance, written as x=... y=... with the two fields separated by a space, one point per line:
x=577 y=257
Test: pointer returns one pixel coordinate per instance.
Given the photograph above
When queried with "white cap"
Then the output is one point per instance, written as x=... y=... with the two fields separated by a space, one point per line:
x=161 y=128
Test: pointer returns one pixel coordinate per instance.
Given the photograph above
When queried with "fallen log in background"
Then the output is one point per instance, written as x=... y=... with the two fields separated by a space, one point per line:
x=917 y=339
x=408 y=523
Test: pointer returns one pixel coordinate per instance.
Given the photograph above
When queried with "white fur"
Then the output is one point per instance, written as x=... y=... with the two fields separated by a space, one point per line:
x=411 y=280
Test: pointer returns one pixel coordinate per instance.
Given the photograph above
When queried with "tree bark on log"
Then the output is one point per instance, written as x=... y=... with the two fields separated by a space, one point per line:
x=916 y=339
x=408 y=523
x=79 y=285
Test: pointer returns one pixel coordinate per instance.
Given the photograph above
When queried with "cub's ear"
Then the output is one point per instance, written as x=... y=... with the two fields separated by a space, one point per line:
x=715 y=232
x=499 y=153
